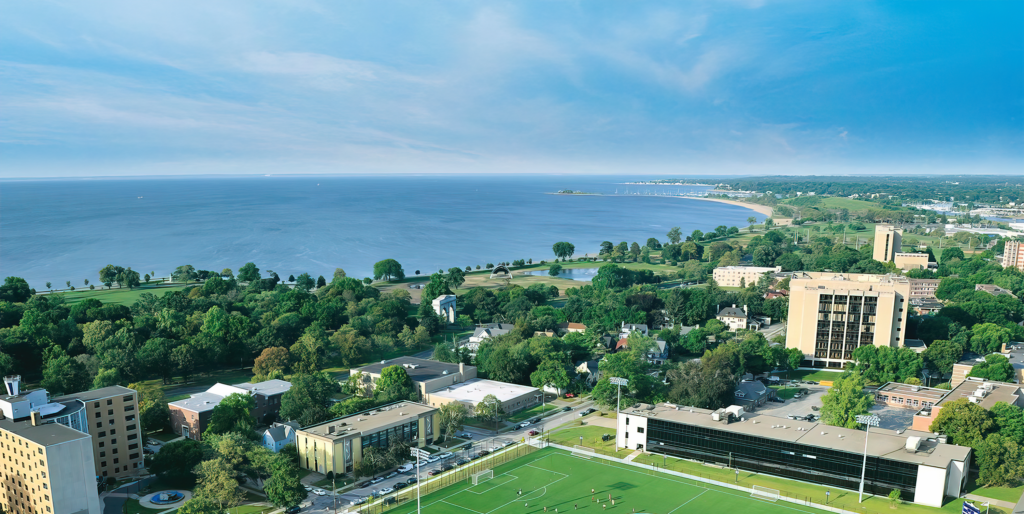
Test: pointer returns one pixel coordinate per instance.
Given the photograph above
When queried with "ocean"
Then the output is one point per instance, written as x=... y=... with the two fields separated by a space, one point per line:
x=59 y=230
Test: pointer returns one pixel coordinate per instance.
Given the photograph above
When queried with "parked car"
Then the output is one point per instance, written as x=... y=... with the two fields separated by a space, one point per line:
x=534 y=432
x=811 y=417
x=376 y=480
x=510 y=443
x=319 y=492
x=405 y=468
x=358 y=501
x=566 y=409
x=434 y=472
x=462 y=461
x=464 y=435
x=778 y=400
x=308 y=488
x=525 y=424
x=475 y=456
x=361 y=485
x=535 y=420
x=447 y=467
x=484 y=453
x=412 y=480
x=433 y=458
x=570 y=395
x=386 y=490
x=147 y=451
x=588 y=411
x=393 y=474
x=400 y=485
x=445 y=455
x=389 y=501
x=293 y=509
x=797 y=395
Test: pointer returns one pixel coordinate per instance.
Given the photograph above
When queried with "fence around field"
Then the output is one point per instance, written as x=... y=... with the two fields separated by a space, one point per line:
x=448 y=478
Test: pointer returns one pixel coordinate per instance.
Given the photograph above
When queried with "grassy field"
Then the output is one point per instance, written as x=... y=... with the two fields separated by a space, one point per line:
x=553 y=481
x=119 y=296
x=812 y=375
x=535 y=411
x=848 y=203
x=1009 y=494
x=591 y=439
x=785 y=393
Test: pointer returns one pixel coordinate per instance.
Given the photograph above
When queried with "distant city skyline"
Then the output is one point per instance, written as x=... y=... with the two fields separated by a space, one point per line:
x=643 y=89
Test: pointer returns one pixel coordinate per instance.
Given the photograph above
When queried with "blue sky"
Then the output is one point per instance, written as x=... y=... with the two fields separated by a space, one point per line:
x=163 y=88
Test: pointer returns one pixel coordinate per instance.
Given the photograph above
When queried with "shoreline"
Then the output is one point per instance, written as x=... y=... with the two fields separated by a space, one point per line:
x=762 y=209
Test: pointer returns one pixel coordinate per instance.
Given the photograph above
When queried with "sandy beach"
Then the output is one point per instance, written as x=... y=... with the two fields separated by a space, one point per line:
x=763 y=209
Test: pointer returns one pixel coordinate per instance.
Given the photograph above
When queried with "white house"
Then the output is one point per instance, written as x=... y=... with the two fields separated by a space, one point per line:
x=279 y=435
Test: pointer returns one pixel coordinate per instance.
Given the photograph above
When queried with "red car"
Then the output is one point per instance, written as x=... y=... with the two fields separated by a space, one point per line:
x=534 y=432
x=570 y=395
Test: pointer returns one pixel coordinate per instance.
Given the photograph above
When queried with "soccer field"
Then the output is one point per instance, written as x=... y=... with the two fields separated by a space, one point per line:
x=561 y=482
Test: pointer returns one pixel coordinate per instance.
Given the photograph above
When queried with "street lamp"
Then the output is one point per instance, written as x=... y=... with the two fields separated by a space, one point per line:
x=619 y=382
x=869 y=421
x=419 y=454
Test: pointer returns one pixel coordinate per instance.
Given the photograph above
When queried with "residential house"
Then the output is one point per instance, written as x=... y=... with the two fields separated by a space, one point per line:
x=740 y=319
x=589 y=370
x=279 y=435
x=751 y=394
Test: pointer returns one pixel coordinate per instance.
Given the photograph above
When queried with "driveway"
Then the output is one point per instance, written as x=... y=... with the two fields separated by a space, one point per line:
x=797 y=406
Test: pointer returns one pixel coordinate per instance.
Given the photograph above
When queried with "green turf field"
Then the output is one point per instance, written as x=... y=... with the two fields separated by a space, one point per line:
x=562 y=483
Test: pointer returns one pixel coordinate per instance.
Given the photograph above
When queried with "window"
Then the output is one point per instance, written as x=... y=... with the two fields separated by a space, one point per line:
x=103 y=454
x=129 y=408
x=110 y=402
x=110 y=412
x=113 y=431
x=133 y=446
x=132 y=436
x=101 y=434
x=103 y=464
x=96 y=405
x=127 y=398
x=134 y=456
x=99 y=424
x=639 y=430
x=98 y=414
x=101 y=444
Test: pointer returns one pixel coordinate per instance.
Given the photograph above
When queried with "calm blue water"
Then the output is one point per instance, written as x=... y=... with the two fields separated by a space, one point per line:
x=67 y=230
x=582 y=274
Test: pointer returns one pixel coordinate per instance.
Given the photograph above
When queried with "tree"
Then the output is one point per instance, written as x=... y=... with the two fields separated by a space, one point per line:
x=751 y=221
x=184 y=273
x=696 y=236
x=995 y=367
x=552 y=371
x=291 y=278
x=845 y=400
x=282 y=486
x=554 y=270
x=490 y=409
x=305 y=282
x=233 y=413
x=455 y=278
x=321 y=282
x=606 y=248
x=217 y=482
x=388 y=269
x=106 y=377
x=201 y=505
x=1001 y=461
x=48 y=286
x=701 y=385
x=270 y=360
x=308 y=391
x=248 y=273
x=942 y=354
x=1009 y=421
x=63 y=374
x=964 y=422
x=108 y=275
x=675 y=235
x=15 y=290
x=394 y=384
x=563 y=250
x=653 y=243
x=374 y=461
x=453 y=417
x=175 y=461
x=951 y=253
x=989 y=338
x=894 y=497
x=129 y=278
x=153 y=410
x=768 y=224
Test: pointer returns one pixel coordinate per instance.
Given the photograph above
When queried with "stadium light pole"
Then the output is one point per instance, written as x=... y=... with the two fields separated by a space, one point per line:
x=619 y=382
x=419 y=454
x=869 y=421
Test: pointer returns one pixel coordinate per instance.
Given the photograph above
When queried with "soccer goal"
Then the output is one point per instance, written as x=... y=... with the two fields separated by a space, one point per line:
x=482 y=476
x=763 y=493
x=582 y=451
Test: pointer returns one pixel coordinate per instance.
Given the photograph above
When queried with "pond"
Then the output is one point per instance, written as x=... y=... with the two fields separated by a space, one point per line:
x=582 y=274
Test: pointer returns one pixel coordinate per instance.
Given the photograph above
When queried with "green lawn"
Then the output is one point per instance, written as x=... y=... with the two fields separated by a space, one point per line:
x=591 y=439
x=532 y=412
x=133 y=507
x=122 y=296
x=162 y=436
x=813 y=375
x=785 y=393
x=1009 y=494
x=555 y=481
x=848 y=203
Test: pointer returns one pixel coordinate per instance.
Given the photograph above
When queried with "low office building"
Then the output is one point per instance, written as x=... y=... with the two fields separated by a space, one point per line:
x=994 y=290
x=923 y=469
x=963 y=368
x=926 y=306
x=741 y=276
x=111 y=415
x=985 y=393
x=513 y=397
x=191 y=416
x=426 y=375
x=338 y=445
x=833 y=314
x=923 y=287
x=909 y=261
x=909 y=396
x=48 y=465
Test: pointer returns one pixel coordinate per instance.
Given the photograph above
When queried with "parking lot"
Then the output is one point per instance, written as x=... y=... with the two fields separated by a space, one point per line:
x=797 y=406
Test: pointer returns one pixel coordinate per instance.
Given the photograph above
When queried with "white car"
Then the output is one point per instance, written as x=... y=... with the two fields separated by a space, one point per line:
x=405 y=468
x=309 y=489
x=445 y=455
x=524 y=424
x=319 y=492
x=433 y=458
x=386 y=490
x=358 y=501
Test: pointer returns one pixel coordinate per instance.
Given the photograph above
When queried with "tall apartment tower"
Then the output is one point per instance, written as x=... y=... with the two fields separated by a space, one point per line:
x=1013 y=255
x=48 y=466
x=833 y=314
x=112 y=418
x=888 y=241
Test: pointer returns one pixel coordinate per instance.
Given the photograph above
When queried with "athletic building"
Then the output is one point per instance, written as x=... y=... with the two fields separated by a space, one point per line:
x=833 y=314
x=337 y=445
x=923 y=469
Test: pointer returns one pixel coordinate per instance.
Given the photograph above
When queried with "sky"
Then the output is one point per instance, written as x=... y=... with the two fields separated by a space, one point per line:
x=120 y=88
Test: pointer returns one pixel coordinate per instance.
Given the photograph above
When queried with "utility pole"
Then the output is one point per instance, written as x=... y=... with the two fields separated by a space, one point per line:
x=619 y=382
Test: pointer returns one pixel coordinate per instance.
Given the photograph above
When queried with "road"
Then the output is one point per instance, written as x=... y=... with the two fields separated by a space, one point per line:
x=481 y=440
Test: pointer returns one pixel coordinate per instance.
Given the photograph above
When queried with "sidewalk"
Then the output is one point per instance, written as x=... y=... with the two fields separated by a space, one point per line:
x=982 y=499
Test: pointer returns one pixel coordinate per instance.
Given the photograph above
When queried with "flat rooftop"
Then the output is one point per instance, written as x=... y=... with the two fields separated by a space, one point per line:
x=46 y=434
x=927 y=393
x=207 y=400
x=369 y=421
x=1001 y=392
x=473 y=391
x=99 y=394
x=882 y=443
x=419 y=370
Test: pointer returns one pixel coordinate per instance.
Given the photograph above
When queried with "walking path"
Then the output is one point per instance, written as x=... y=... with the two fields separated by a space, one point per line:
x=982 y=499
x=633 y=455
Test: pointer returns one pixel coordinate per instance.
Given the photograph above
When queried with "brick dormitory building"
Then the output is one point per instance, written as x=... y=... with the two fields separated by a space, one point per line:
x=191 y=416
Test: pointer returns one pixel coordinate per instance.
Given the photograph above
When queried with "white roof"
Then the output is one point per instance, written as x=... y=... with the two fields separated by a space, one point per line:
x=223 y=390
x=474 y=391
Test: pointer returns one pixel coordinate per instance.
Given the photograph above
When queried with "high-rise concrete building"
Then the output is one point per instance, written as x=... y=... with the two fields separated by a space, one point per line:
x=112 y=418
x=833 y=314
x=1013 y=255
x=47 y=464
x=888 y=241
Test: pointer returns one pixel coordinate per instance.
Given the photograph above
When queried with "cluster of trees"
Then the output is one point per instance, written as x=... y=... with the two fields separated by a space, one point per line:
x=996 y=435
x=993 y=189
